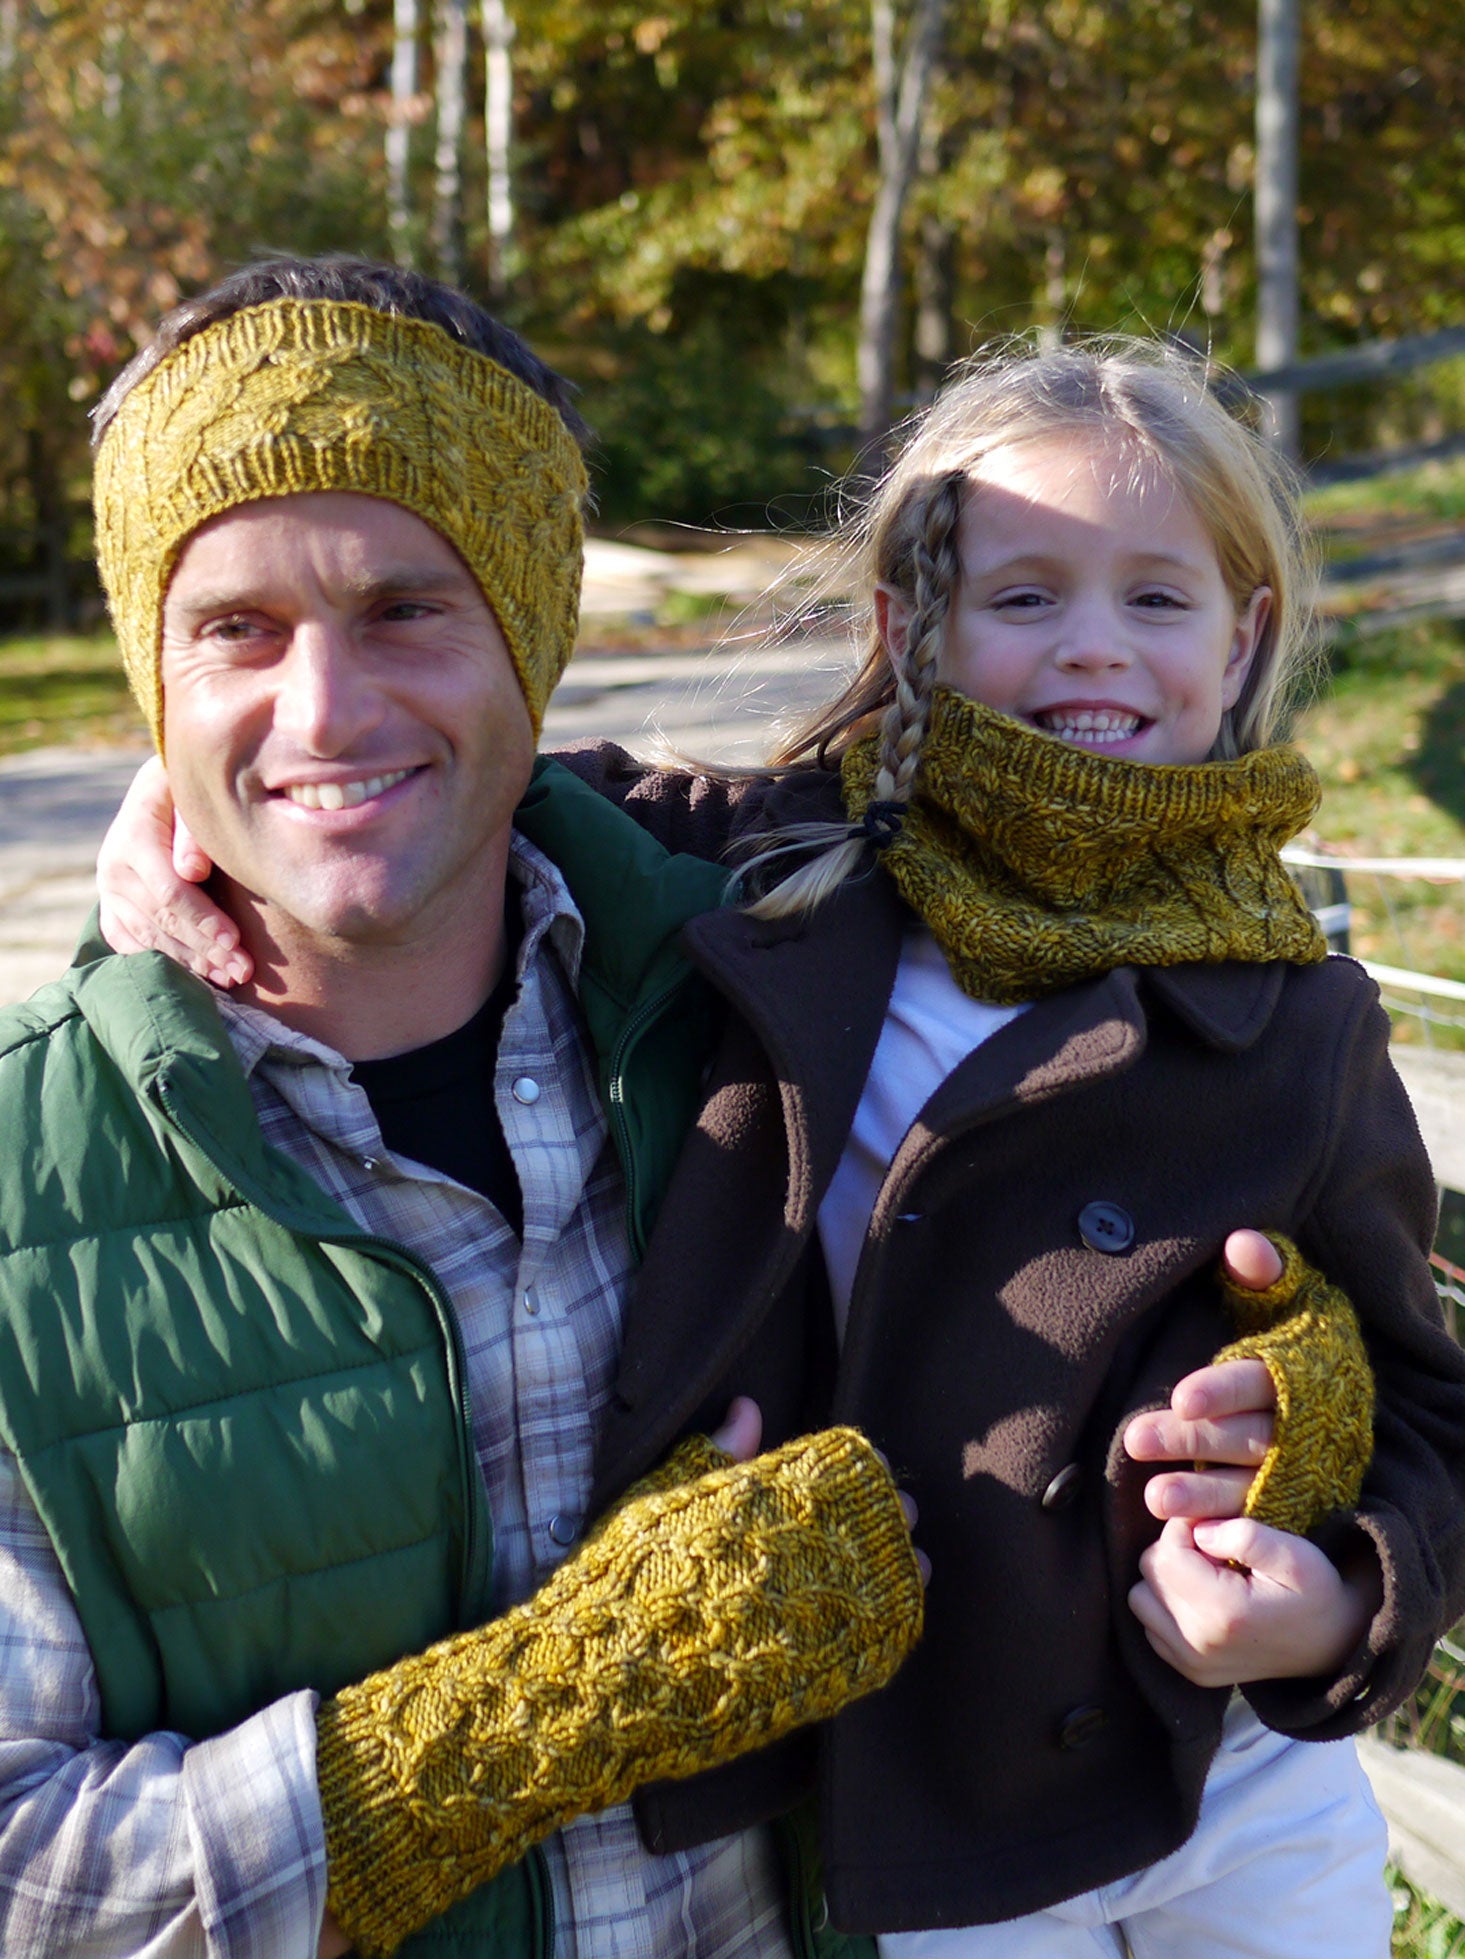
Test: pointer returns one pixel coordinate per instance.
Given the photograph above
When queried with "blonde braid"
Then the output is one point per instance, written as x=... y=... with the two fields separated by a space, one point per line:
x=936 y=568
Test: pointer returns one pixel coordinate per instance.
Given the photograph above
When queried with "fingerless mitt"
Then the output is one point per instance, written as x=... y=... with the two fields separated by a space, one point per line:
x=1306 y=1333
x=701 y=1619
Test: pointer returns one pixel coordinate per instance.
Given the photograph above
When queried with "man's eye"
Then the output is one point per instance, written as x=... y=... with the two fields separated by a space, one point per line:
x=234 y=630
x=400 y=610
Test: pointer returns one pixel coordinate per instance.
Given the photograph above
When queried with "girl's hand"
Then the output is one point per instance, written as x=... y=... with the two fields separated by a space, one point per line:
x=148 y=873
x=1219 y=1416
x=1229 y=1602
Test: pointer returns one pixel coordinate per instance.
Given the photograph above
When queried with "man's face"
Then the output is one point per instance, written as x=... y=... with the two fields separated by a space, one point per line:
x=344 y=729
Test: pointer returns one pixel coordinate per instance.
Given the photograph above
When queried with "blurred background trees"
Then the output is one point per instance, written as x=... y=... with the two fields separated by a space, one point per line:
x=675 y=205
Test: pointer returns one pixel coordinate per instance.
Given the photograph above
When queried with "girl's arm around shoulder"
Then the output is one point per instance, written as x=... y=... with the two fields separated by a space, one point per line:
x=701 y=811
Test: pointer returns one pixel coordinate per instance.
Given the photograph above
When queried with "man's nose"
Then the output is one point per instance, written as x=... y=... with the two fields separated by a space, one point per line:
x=325 y=699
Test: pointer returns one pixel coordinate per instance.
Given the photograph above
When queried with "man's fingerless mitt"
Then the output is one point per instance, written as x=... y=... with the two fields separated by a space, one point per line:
x=1306 y=1333
x=701 y=1619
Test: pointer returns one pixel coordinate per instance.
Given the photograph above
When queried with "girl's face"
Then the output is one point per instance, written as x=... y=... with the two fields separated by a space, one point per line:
x=1091 y=605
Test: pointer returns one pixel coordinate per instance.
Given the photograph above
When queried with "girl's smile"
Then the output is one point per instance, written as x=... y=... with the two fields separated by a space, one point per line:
x=1091 y=604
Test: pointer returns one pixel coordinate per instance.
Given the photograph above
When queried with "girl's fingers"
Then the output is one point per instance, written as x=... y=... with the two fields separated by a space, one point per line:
x=190 y=860
x=1234 y=1387
x=1198 y=1494
x=1251 y=1260
x=1239 y=1440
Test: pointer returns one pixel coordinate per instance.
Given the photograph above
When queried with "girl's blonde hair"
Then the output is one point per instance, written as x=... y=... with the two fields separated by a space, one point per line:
x=1157 y=404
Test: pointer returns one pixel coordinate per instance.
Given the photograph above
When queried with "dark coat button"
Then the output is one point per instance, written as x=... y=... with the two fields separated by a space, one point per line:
x=1105 y=1228
x=1064 y=1488
x=1081 y=1727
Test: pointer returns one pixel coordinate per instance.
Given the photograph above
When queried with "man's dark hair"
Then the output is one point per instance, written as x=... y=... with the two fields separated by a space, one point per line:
x=337 y=276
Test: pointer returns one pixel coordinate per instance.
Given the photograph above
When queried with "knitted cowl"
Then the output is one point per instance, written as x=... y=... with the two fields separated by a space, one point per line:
x=1037 y=864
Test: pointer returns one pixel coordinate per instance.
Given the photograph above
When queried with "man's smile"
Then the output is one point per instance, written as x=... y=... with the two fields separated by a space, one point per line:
x=343 y=795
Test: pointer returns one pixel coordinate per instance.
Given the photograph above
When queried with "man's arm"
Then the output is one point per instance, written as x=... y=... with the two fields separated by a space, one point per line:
x=111 y=1848
x=720 y=1605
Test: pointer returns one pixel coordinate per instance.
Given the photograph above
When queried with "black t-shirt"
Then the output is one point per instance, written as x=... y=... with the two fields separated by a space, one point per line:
x=436 y=1105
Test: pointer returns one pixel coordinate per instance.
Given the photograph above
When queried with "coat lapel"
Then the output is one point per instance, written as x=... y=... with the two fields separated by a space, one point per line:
x=809 y=998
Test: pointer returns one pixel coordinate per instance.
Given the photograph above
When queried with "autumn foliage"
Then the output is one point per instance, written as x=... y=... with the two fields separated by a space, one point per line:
x=692 y=189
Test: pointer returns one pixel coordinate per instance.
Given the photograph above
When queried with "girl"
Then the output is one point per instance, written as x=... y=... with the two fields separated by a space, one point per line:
x=1026 y=1014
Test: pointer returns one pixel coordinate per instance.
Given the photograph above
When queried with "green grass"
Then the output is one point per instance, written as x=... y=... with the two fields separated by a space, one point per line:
x=1423 y=1929
x=63 y=689
x=1388 y=740
x=1433 y=491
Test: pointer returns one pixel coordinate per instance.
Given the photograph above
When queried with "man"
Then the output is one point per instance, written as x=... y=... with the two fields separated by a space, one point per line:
x=307 y=1296
x=312 y=1311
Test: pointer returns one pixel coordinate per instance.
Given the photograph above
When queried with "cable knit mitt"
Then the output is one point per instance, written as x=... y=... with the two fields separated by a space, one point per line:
x=699 y=1620
x=1307 y=1334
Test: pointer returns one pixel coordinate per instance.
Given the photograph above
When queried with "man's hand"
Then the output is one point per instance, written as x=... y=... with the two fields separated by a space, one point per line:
x=1232 y=1601
x=741 y=1437
x=149 y=870
x=1218 y=1416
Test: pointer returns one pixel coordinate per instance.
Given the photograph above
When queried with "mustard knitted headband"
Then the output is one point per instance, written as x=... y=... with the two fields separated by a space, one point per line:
x=302 y=395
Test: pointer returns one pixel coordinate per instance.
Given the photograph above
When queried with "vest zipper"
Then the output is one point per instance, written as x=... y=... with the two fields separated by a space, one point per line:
x=398 y=1255
x=615 y=1091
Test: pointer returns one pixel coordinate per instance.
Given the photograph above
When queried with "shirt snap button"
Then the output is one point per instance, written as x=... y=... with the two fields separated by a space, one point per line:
x=1105 y=1227
x=563 y=1530
x=1081 y=1727
x=525 y=1089
x=531 y=1302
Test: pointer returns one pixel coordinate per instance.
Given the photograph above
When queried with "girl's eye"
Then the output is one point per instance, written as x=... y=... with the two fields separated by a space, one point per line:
x=1019 y=601
x=1160 y=601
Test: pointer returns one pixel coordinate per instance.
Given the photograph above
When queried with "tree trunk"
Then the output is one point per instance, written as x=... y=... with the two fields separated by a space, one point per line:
x=1279 y=37
x=452 y=98
x=900 y=105
x=399 y=130
x=934 y=278
x=935 y=288
x=48 y=505
x=498 y=134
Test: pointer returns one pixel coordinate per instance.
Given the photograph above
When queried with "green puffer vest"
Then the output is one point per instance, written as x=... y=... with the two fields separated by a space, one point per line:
x=242 y=1419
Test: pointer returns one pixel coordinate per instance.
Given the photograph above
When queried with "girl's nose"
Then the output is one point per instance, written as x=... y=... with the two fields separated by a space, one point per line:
x=1091 y=639
x=325 y=698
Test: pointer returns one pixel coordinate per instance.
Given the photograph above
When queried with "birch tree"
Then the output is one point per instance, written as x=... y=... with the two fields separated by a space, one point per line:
x=451 y=51
x=901 y=91
x=1278 y=44
x=400 y=117
x=498 y=132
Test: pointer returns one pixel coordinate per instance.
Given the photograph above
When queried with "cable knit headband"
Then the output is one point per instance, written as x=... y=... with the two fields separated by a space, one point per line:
x=302 y=395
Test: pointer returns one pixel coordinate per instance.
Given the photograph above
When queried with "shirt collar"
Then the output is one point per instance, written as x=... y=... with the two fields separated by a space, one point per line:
x=549 y=914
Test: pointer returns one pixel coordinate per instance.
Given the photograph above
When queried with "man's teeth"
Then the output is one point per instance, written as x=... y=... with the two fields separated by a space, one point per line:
x=1088 y=725
x=343 y=795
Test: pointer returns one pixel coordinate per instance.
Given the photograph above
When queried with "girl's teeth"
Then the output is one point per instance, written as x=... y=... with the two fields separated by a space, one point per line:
x=343 y=795
x=1091 y=727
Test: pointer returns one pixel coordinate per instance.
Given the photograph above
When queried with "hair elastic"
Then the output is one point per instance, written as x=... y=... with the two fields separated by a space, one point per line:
x=881 y=824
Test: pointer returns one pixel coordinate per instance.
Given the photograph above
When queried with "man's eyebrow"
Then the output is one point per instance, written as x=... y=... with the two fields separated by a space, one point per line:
x=406 y=581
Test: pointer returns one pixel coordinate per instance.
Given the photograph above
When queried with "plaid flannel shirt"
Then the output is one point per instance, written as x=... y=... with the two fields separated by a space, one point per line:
x=171 y=1848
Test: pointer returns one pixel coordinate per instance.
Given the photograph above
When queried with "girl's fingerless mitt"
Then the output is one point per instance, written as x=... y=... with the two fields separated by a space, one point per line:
x=701 y=1619
x=1306 y=1333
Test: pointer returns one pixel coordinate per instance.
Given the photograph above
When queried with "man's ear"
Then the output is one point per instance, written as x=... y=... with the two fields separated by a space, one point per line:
x=892 y=622
x=1246 y=637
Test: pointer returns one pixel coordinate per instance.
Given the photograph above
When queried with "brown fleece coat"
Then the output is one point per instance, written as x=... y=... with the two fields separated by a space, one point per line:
x=1035 y=1746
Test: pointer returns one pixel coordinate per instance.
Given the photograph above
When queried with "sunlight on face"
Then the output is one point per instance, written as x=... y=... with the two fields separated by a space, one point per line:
x=1092 y=606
